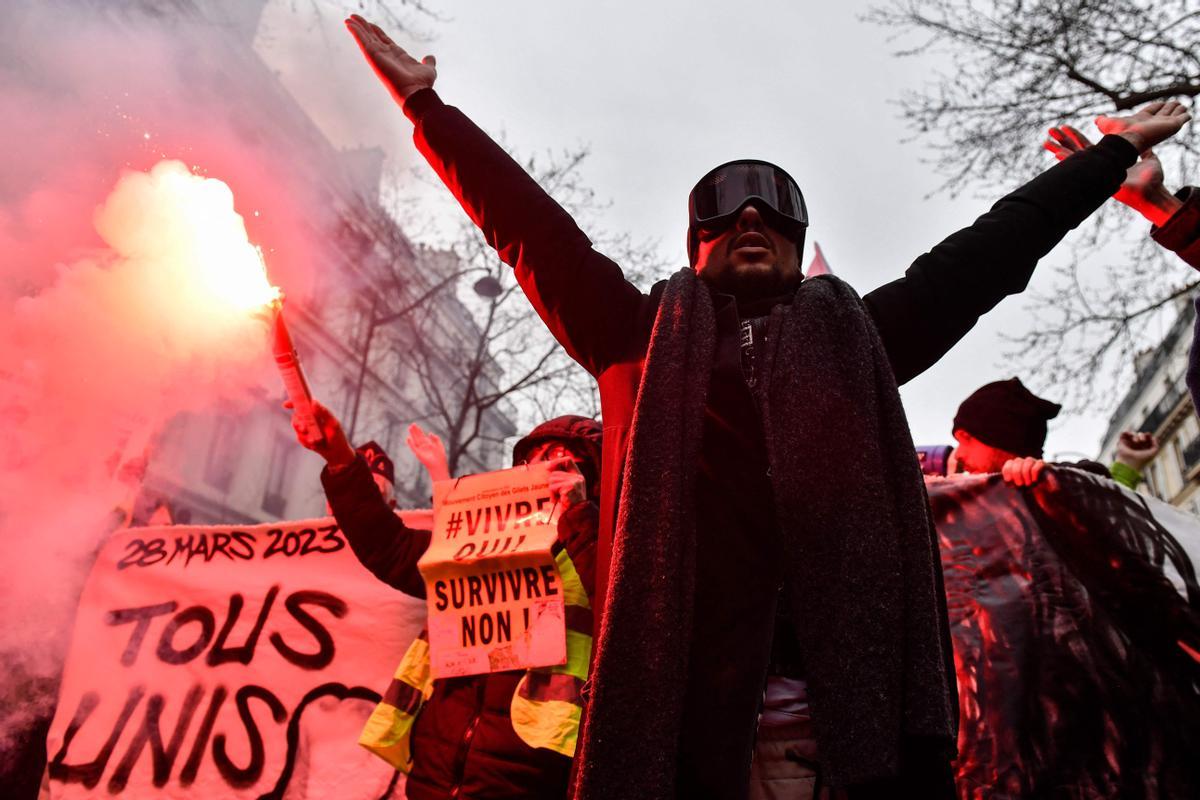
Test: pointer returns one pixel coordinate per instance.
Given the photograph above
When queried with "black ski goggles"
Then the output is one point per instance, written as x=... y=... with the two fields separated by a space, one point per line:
x=724 y=191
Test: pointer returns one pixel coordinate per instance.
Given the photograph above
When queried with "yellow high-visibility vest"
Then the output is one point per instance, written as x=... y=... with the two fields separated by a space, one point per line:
x=546 y=707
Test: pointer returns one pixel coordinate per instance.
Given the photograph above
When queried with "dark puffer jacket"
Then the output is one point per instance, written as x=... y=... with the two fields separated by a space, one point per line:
x=463 y=742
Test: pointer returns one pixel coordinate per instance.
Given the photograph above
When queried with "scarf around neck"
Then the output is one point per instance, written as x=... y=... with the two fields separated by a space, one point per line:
x=862 y=562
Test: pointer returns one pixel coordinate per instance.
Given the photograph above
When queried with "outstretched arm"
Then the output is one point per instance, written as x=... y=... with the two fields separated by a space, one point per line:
x=945 y=291
x=1175 y=217
x=1176 y=221
x=1143 y=188
x=580 y=294
x=402 y=74
x=381 y=542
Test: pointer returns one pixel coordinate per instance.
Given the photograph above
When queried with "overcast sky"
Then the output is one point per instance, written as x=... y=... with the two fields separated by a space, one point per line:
x=662 y=92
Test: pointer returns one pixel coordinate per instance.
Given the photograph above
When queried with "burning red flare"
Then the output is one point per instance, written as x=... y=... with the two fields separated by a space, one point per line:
x=222 y=271
x=193 y=223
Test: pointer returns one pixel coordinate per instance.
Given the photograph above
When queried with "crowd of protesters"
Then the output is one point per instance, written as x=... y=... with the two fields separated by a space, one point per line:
x=770 y=621
x=758 y=603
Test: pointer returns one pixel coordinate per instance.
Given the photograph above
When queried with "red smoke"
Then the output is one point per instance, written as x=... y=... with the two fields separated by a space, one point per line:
x=109 y=325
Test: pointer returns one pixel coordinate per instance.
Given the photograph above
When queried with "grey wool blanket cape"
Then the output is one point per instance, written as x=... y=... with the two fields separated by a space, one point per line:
x=861 y=553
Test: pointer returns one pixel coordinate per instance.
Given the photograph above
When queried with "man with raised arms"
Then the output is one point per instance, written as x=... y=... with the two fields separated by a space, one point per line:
x=763 y=518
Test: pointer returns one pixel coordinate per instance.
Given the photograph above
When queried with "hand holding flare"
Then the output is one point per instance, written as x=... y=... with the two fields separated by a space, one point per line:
x=323 y=434
x=300 y=398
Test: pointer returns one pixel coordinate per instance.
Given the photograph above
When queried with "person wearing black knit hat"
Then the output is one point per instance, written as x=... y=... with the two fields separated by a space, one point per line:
x=1001 y=428
x=999 y=422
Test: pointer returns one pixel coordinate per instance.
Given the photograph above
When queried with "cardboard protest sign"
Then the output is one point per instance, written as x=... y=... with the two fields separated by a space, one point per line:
x=230 y=662
x=493 y=590
x=1074 y=610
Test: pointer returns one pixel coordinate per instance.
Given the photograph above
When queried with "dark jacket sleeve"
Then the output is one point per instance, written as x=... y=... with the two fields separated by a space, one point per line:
x=577 y=530
x=580 y=294
x=1181 y=232
x=1193 y=369
x=943 y=294
x=380 y=540
x=1088 y=465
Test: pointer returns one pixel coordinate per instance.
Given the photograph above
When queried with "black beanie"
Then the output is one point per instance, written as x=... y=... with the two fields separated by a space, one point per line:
x=378 y=461
x=1006 y=415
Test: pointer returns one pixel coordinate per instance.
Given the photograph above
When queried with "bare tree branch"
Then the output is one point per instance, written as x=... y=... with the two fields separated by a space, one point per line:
x=479 y=361
x=1011 y=69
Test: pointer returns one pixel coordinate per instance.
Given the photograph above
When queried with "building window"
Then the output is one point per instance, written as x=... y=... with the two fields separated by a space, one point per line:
x=221 y=459
x=391 y=435
x=275 y=496
x=346 y=398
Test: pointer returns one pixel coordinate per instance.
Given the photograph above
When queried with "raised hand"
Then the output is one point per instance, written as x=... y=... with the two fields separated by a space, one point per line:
x=1136 y=450
x=1148 y=125
x=1143 y=189
x=567 y=484
x=327 y=440
x=402 y=74
x=430 y=451
x=1022 y=471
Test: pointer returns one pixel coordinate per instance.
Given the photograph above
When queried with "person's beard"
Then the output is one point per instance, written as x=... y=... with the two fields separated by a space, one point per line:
x=753 y=281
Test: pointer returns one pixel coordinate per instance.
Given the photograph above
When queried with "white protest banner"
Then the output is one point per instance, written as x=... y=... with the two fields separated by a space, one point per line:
x=493 y=590
x=227 y=662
